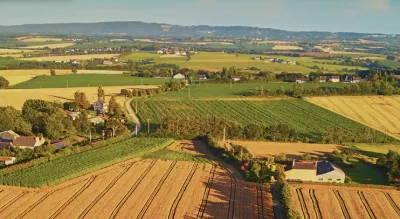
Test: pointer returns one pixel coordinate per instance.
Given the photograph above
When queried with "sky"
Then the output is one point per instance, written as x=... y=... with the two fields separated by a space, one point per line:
x=368 y=16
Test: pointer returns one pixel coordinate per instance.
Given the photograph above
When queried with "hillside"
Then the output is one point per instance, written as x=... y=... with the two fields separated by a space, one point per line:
x=143 y=29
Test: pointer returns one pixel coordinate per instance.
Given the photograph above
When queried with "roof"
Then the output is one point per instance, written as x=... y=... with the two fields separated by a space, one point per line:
x=28 y=141
x=335 y=77
x=326 y=167
x=322 y=77
x=8 y=135
x=304 y=165
x=5 y=145
x=235 y=77
x=96 y=120
x=59 y=144
x=6 y=158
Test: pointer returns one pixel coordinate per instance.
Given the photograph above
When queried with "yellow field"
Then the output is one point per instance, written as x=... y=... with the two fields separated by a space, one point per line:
x=330 y=201
x=67 y=58
x=17 y=97
x=10 y=51
x=51 y=46
x=283 y=47
x=19 y=76
x=143 y=189
x=379 y=112
x=265 y=149
x=39 y=39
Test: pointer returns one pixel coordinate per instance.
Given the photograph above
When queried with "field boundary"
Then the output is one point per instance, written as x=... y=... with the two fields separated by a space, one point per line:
x=12 y=201
x=206 y=193
x=260 y=202
x=317 y=209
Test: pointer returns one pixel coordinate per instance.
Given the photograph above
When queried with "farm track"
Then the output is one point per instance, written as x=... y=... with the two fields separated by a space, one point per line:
x=73 y=197
x=366 y=205
x=392 y=203
x=132 y=189
x=355 y=113
x=315 y=204
x=260 y=202
x=109 y=186
x=376 y=120
x=306 y=214
x=204 y=201
x=26 y=211
x=178 y=198
x=232 y=195
x=345 y=211
x=156 y=190
x=339 y=108
x=2 y=208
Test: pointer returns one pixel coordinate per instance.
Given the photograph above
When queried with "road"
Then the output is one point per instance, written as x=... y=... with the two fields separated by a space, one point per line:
x=132 y=114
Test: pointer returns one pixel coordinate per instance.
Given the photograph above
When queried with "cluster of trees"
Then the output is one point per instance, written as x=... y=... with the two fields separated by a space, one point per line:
x=3 y=83
x=391 y=162
x=336 y=135
x=169 y=86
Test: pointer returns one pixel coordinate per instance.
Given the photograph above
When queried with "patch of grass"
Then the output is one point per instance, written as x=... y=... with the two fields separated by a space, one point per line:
x=176 y=155
x=366 y=173
x=374 y=151
x=87 y=80
x=6 y=62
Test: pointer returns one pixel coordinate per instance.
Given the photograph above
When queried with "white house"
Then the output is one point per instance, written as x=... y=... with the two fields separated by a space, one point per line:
x=107 y=62
x=201 y=77
x=329 y=172
x=179 y=76
x=30 y=142
x=100 y=106
x=96 y=120
x=334 y=79
x=301 y=80
x=235 y=78
x=7 y=160
x=160 y=52
x=322 y=171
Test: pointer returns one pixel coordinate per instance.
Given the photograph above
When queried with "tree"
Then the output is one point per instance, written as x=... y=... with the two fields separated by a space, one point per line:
x=100 y=92
x=81 y=100
x=113 y=127
x=82 y=123
x=391 y=58
x=297 y=90
x=3 y=83
x=52 y=72
x=112 y=105
x=74 y=71
x=11 y=119
x=188 y=56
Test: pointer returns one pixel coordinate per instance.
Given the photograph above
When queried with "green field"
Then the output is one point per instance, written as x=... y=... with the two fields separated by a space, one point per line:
x=216 y=61
x=87 y=80
x=236 y=90
x=307 y=119
x=6 y=62
x=74 y=165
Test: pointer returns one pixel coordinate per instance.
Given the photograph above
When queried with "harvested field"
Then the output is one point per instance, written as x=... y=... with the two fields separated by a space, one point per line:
x=284 y=47
x=10 y=51
x=38 y=39
x=67 y=58
x=17 y=97
x=379 y=112
x=143 y=189
x=50 y=46
x=330 y=201
x=263 y=148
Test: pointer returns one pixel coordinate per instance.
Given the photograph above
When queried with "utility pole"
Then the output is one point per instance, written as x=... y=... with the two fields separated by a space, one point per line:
x=223 y=139
x=136 y=130
x=148 y=126
x=136 y=107
x=90 y=136
x=262 y=90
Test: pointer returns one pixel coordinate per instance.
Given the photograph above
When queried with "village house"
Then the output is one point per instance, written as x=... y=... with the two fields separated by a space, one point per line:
x=179 y=76
x=235 y=78
x=75 y=62
x=60 y=144
x=315 y=171
x=107 y=62
x=201 y=77
x=6 y=145
x=30 y=142
x=100 y=106
x=356 y=80
x=322 y=79
x=257 y=58
x=301 y=80
x=7 y=160
x=160 y=52
x=8 y=136
x=96 y=120
x=334 y=79
x=73 y=115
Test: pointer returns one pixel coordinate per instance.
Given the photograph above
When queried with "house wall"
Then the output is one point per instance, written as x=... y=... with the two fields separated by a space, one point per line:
x=332 y=177
x=304 y=175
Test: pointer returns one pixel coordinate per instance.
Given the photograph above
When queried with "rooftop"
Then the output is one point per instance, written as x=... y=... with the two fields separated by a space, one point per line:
x=304 y=165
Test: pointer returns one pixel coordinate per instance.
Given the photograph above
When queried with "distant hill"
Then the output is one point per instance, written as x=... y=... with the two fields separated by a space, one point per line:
x=142 y=29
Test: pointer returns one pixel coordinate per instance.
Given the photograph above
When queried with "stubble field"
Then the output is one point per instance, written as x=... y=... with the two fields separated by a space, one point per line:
x=67 y=58
x=329 y=201
x=379 y=112
x=142 y=189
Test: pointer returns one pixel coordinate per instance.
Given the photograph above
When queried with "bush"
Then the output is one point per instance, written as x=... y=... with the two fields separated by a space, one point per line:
x=3 y=83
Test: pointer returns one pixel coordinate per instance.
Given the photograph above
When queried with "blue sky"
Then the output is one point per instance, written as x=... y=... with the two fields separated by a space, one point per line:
x=370 y=16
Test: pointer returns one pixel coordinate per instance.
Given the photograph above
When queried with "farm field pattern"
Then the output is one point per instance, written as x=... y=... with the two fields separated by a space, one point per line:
x=379 y=112
x=313 y=202
x=142 y=189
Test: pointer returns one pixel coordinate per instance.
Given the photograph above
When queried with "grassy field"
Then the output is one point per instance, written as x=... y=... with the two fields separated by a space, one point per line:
x=68 y=167
x=4 y=62
x=87 y=80
x=307 y=119
x=236 y=90
x=215 y=61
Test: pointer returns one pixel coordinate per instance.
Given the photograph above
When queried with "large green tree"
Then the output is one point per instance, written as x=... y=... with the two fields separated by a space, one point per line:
x=3 y=83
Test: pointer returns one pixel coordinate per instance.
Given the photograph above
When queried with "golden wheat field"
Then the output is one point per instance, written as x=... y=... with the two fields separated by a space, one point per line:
x=11 y=51
x=142 y=189
x=329 y=201
x=284 y=47
x=264 y=149
x=67 y=58
x=379 y=112
x=50 y=46
x=17 y=97
x=38 y=39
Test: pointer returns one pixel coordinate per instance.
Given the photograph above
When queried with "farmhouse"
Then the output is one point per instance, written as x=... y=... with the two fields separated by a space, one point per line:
x=8 y=136
x=96 y=120
x=322 y=171
x=75 y=62
x=100 y=106
x=301 y=80
x=73 y=115
x=179 y=76
x=235 y=78
x=322 y=79
x=107 y=62
x=160 y=52
x=7 y=160
x=6 y=145
x=201 y=77
x=334 y=79
x=28 y=142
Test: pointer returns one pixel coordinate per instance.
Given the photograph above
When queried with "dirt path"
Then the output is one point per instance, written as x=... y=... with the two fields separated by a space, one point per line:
x=132 y=114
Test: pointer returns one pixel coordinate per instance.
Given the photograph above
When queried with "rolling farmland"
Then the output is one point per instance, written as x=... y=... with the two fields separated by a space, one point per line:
x=345 y=202
x=379 y=112
x=306 y=118
x=67 y=58
x=143 y=189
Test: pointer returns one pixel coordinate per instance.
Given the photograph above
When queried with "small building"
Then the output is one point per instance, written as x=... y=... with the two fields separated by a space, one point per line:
x=179 y=76
x=8 y=136
x=30 y=142
x=60 y=144
x=96 y=120
x=328 y=172
x=107 y=62
x=301 y=80
x=334 y=79
x=322 y=79
x=100 y=106
x=291 y=62
x=321 y=171
x=7 y=160
x=6 y=145
x=75 y=62
x=73 y=115
x=201 y=77
x=235 y=78
x=257 y=58
x=356 y=80
x=160 y=52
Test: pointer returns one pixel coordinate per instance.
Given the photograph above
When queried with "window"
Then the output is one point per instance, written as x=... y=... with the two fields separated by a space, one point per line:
x=330 y=179
x=339 y=179
x=321 y=179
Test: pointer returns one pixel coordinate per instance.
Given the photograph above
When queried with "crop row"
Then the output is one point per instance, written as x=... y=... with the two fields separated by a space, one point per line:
x=67 y=167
